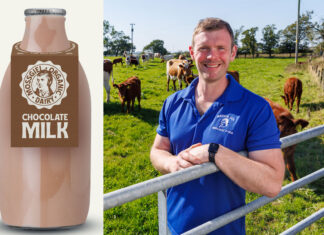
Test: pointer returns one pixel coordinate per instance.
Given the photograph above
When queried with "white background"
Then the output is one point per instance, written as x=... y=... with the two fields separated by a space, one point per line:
x=84 y=26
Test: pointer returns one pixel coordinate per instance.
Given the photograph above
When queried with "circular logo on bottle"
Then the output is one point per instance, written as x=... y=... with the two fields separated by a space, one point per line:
x=44 y=84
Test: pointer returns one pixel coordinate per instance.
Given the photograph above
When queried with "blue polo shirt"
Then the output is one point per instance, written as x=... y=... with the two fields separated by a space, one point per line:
x=239 y=120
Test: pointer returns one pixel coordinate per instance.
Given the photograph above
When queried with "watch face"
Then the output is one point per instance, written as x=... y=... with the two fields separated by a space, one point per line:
x=213 y=147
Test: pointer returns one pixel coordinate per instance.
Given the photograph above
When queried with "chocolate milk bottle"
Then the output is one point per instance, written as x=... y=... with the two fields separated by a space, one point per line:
x=44 y=187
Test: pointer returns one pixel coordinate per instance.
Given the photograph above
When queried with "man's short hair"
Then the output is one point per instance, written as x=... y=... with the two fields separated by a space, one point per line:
x=48 y=73
x=211 y=24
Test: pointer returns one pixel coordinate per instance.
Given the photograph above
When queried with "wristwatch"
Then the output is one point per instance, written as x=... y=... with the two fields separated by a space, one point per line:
x=212 y=150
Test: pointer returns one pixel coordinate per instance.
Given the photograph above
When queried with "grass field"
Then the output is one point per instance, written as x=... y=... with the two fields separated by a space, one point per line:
x=128 y=139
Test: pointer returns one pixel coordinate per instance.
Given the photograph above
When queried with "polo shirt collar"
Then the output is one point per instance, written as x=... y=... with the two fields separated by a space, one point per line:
x=232 y=93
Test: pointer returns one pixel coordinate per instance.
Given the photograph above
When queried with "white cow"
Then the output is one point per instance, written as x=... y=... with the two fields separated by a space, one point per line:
x=151 y=55
x=132 y=59
x=145 y=57
x=107 y=71
x=167 y=57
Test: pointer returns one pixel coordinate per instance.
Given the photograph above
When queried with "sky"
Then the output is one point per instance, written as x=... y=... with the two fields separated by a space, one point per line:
x=173 y=21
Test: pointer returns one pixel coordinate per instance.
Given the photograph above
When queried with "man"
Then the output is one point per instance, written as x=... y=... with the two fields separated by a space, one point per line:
x=212 y=120
x=44 y=81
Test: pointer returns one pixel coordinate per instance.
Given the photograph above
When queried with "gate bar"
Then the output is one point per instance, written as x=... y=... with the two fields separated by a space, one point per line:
x=135 y=191
x=304 y=223
x=301 y=136
x=220 y=221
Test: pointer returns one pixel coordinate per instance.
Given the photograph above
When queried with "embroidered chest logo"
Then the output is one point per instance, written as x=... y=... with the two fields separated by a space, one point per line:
x=44 y=84
x=225 y=123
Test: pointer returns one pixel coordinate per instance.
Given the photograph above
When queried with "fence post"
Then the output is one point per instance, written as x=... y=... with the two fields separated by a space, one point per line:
x=162 y=206
x=322 y=79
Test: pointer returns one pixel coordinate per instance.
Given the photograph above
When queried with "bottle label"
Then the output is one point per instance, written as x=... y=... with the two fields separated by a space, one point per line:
x=44 y=98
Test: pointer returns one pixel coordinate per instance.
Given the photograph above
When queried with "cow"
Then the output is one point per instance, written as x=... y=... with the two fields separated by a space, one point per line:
x=287 y=126
x=235 y=75
x=145 y=57
x=107 y=71
x=150 y=55
x=293 y=89
x=157 y=55
x=177 y=69
x=128 y=91
x=118 y=60
x=132 y=60
x=166 y=57
x=189 y=79
x=182 y=57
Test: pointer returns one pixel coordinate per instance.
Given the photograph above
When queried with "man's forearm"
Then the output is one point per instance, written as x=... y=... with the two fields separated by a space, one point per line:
x=160 y=159
x=261 y=173
x=252 y=175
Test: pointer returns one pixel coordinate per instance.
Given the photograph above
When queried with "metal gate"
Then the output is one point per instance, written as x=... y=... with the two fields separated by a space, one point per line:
x=161 y=183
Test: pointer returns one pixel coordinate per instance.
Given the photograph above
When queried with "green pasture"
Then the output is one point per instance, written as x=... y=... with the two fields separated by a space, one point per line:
x=128 y=139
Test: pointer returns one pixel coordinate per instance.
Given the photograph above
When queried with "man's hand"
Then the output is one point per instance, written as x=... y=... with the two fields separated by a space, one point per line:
x=182 y=160
x=164 y=161
x=196 y=154
x=177 y=163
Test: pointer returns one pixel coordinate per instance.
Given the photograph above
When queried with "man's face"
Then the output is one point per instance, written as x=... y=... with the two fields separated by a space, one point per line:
x=43 y=81
x=212 y=53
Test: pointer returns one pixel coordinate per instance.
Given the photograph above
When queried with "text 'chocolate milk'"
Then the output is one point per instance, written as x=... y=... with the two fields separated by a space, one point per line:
x=44 y=128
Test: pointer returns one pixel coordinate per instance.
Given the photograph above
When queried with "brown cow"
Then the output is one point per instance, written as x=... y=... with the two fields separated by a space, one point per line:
x=128 y=91
x=293 y=89
x=107 y=71
x=189 y=79
x=177 y=69
x=235 y=75
x=118 y=60
x=287 y=126
x=182 y=57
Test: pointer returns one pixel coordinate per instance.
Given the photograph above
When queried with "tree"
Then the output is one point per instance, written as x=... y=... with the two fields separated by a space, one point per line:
x=107 y=29
x=319 y=30
x=237 y=33
x=270 y=39
x=157 y=46
x=287 y=41
x=119 y=43
x=249 y=41
x=288 y=35
x=115 y=42
x=305 y=27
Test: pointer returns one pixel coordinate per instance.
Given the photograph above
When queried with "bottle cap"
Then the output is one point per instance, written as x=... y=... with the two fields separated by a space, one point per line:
x=45 y=11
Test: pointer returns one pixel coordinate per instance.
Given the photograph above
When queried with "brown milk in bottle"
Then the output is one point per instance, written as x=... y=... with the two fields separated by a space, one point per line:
x=45 y=187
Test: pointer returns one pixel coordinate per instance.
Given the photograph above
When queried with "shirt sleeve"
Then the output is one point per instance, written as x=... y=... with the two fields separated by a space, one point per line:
x=263 y=132
x=163 y=128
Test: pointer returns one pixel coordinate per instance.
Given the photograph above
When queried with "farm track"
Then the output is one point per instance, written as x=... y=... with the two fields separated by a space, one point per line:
x=128 y=138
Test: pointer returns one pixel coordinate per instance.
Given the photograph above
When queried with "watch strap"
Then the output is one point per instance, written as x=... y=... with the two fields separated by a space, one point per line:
x=212 y=150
